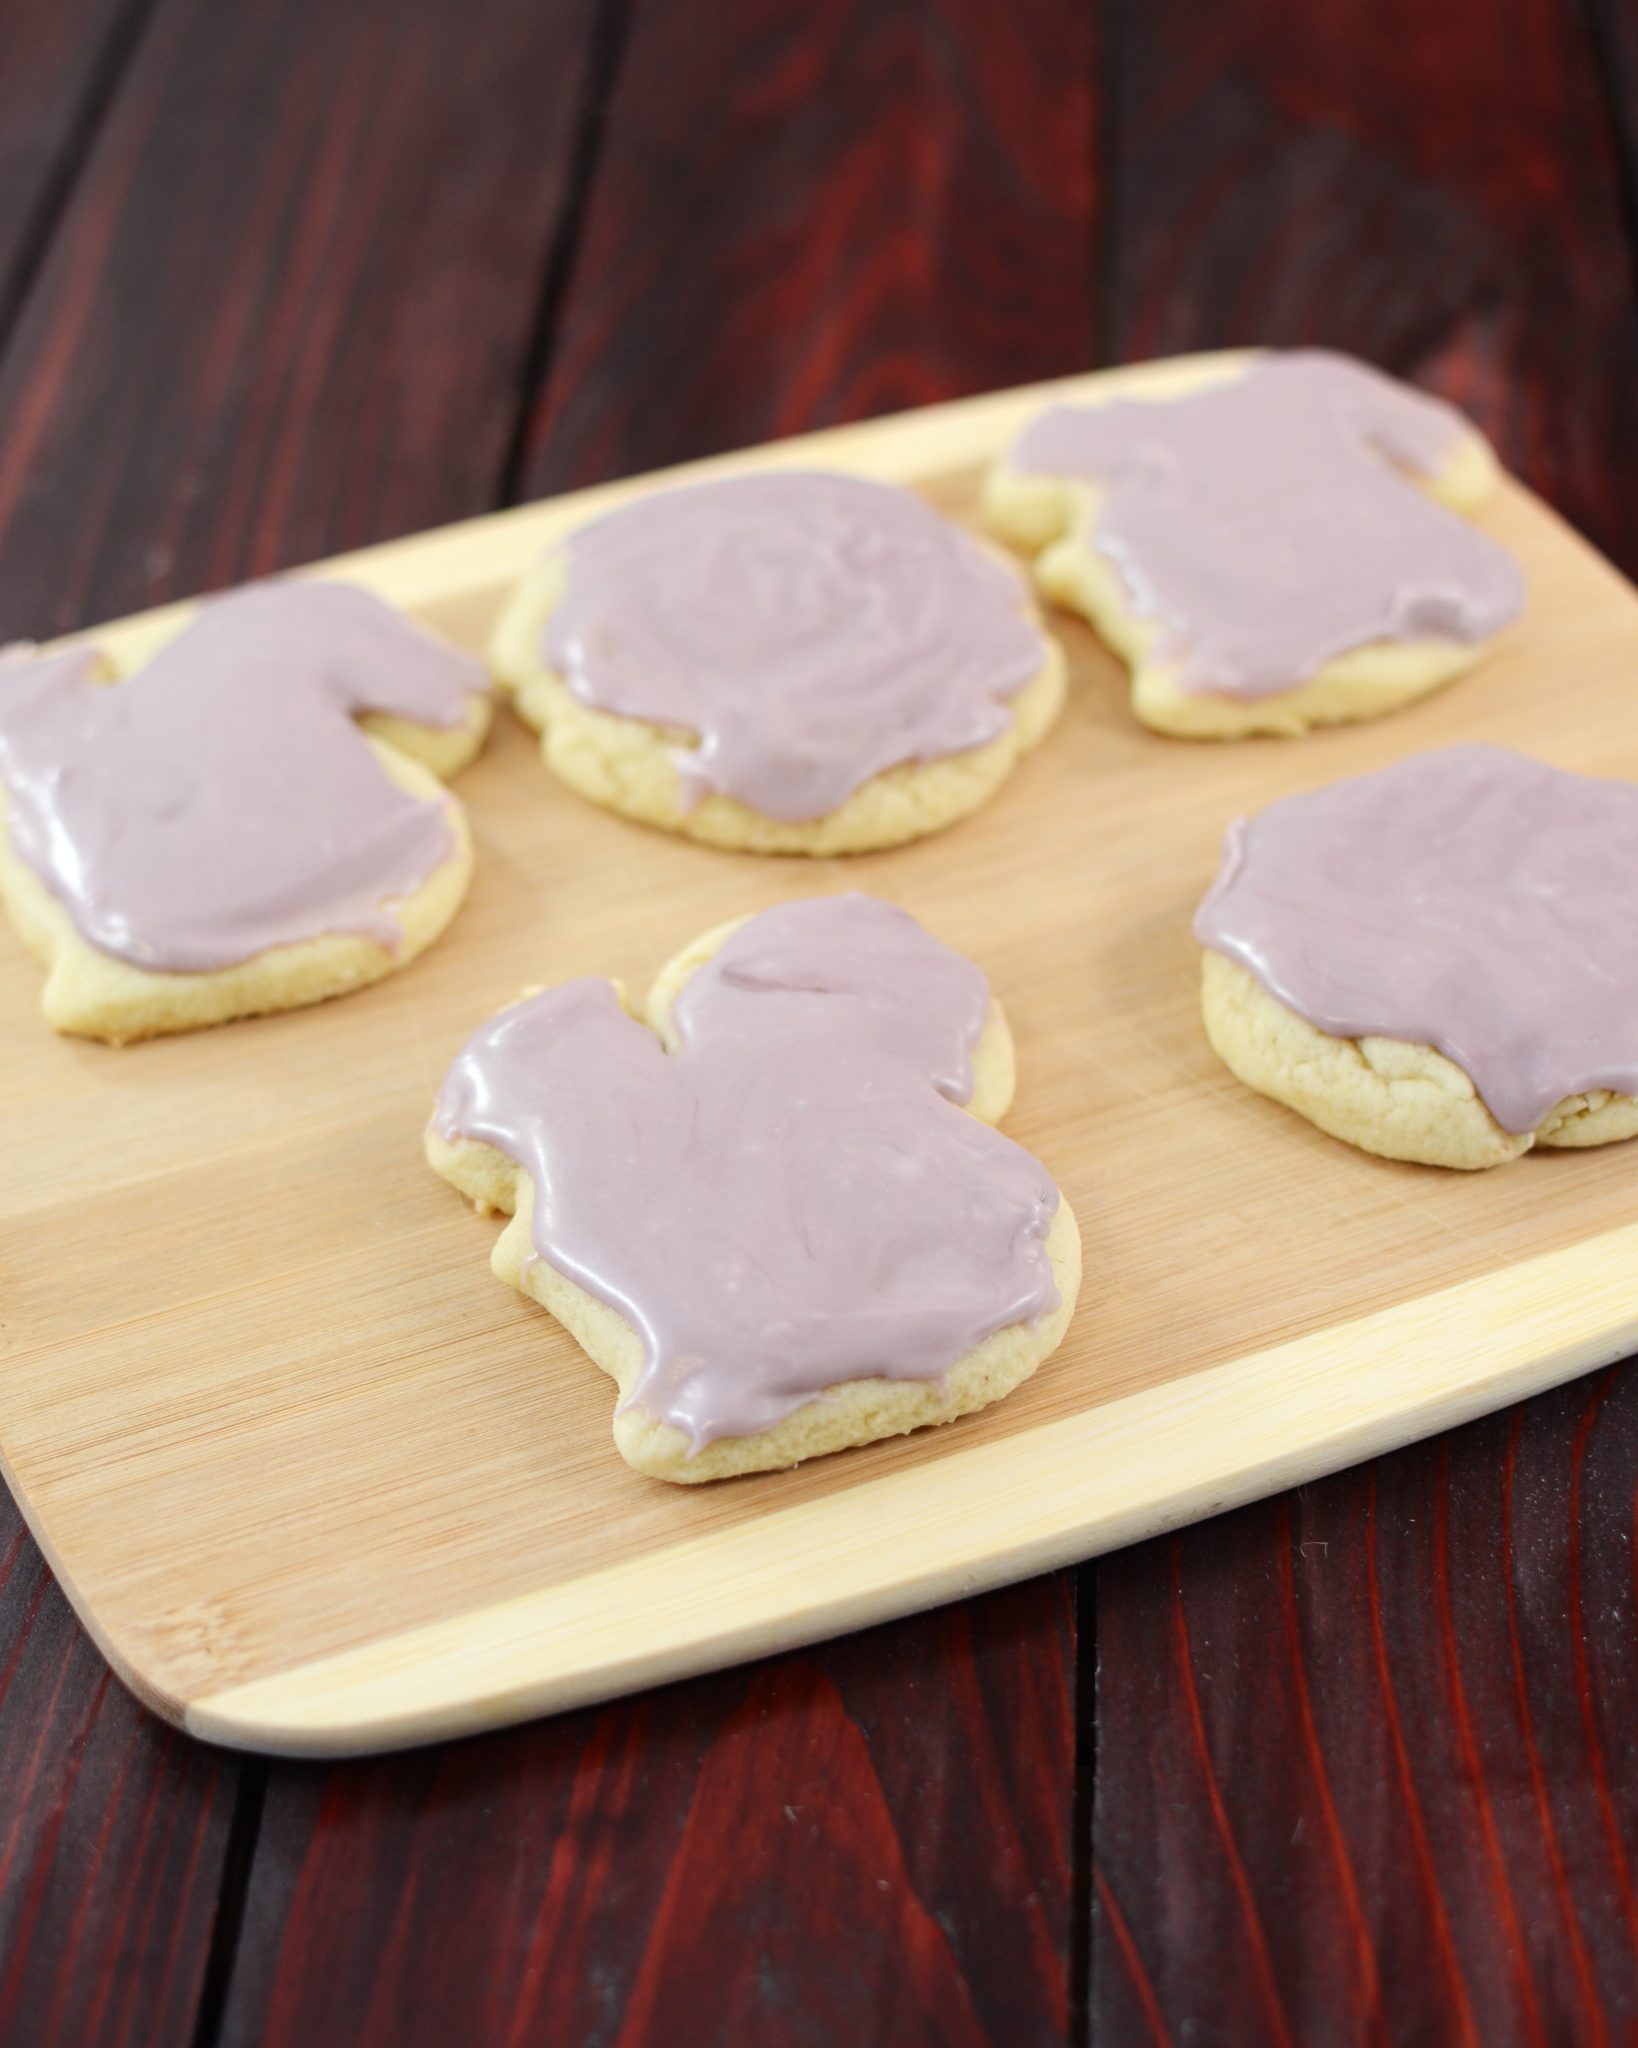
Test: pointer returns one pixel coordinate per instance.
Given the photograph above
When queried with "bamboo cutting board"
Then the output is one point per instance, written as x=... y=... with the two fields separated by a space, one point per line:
x=318 y=1483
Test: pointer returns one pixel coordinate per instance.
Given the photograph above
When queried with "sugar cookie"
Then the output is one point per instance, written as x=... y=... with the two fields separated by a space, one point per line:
x=1270 y=551
x=204 y=832
x=1437 y=962
x=786 y=662
x=760 y=1209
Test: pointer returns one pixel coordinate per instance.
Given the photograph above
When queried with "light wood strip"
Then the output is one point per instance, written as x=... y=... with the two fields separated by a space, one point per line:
x=981 y=1517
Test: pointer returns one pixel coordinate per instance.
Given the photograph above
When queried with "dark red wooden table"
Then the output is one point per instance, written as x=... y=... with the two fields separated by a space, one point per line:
x=279 y=277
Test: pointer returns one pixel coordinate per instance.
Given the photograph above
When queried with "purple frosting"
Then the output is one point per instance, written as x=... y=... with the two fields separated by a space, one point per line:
x=1267 y=525
x=1468 y=899
x=791 y=1199
x=809 y=630
x=222 y=800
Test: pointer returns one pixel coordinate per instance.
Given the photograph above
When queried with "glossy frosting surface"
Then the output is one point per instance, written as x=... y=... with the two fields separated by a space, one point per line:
x=221 y=799
x=1468 y=899
x=1267 y=525
x=810 y=630
x=792 y=1198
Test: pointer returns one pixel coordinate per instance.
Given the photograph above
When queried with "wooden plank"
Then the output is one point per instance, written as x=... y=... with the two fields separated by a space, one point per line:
x=815 y=1820
x=906 y=1793
x=62 y=60
x=1360 y=1769
x=113 y=1830
x=1364 y=1748
x=287 y=208
x=290 y=306
x=810 y=215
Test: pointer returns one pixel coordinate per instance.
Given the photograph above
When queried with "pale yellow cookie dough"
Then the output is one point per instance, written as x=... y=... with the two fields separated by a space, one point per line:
x=92 y=994
x=1056 y=515
x=1398 y=1100
x=856 y=1412
x=629 y=765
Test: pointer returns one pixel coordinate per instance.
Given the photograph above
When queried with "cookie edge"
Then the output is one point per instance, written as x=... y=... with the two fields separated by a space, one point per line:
x=1368 y=1091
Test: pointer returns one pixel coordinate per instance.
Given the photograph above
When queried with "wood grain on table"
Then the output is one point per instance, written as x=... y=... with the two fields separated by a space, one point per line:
x=285 y=277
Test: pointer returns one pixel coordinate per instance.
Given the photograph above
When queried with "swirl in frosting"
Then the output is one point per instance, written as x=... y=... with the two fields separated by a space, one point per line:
x=807 y=631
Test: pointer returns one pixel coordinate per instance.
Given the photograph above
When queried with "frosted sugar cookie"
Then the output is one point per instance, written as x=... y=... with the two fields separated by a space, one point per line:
x=789 y=662
x=1436 y=962
x=1271 y=551
x=210 y=833
x=774 y=1207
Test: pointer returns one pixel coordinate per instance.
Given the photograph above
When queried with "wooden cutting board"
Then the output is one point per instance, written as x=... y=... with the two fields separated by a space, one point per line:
x=316 y=1482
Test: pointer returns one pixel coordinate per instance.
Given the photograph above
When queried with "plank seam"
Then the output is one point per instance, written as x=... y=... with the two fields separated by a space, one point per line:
x=1600 y=35
x=1104 y=266
x=1083 y=1807
x=85 y=124
x=608 y=44
x=238 y=1859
